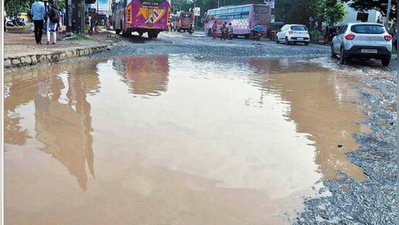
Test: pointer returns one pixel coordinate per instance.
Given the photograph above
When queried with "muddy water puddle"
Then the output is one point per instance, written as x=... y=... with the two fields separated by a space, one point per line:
x=174 y=140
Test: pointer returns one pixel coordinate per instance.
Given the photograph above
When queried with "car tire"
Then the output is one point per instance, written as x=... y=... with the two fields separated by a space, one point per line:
x=342 y=58
x=385 y=62
x=286 y=41
x=333 y=55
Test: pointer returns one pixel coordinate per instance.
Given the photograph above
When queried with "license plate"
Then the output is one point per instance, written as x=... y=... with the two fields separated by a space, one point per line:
x=300 y=39
x=368 y=51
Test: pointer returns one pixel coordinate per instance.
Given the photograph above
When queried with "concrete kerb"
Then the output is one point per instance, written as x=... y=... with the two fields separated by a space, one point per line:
x=23 y=60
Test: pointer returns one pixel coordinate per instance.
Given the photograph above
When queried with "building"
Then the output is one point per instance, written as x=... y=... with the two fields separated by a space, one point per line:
x=353 y=16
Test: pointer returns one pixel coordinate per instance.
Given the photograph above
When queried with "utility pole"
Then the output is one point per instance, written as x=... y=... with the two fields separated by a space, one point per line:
x=388 y=11
x=82 y=16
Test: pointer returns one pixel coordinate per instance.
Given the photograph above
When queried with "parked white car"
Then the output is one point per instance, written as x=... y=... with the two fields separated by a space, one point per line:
x=362 y=40
x=293 y=33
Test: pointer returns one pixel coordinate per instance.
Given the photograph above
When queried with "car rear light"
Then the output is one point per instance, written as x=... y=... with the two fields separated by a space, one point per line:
x=388 y=37
x=290 y=31
x=349 y=36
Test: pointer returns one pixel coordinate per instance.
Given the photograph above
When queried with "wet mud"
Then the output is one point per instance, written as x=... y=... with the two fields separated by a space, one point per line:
x=177 y=140
x=372 y=201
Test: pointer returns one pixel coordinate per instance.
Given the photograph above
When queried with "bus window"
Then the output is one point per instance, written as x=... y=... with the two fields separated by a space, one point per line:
x=212 y=13
x=224 y=11
x=244 y=16
x=261 y=9
x=238 y=10
x=245 y=9
x=229 y=11
x=217 y=12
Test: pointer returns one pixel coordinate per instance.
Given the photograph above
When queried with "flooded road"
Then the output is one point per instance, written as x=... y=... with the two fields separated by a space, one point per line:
x=174 y=140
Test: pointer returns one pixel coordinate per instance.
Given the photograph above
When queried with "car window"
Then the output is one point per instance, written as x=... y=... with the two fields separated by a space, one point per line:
x=298 y=28
x=343 y=29
x=368 y=29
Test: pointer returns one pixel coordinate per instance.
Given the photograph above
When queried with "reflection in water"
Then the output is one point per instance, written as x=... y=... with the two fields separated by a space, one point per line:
x=319 y=106
x=216 y=148
x=64 y=128
x=65 y=131
x=144 y=75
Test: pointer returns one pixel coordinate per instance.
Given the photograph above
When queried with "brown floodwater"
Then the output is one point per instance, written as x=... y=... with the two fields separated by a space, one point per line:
x=174 y=140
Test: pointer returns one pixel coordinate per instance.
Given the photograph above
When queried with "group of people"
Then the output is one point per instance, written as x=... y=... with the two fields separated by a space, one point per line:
x=226 y=30
x=48 y=14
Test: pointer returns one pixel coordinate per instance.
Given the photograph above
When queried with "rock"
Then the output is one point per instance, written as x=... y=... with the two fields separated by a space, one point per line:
x=340 y=146
x=7 y=63
x=108 y=48
x=55 y=58
x=42 y=58
x=33 y=59
x=63 y=56
x=25 y=61
x=15 y=62
x=81 y=52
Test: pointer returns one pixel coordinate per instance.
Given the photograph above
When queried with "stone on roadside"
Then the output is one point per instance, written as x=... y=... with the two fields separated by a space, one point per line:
x=42 y=58
x=55 y=58
x=15 y=62
x=33 y=59
x=25 y=61
x=7 y=63
x=63 y=56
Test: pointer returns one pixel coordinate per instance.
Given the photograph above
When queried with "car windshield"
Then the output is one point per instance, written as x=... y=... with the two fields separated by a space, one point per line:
x=298 y=28
x=368 y=29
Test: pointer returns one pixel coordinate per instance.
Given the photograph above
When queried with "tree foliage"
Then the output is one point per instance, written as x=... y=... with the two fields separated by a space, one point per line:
x=302 y=11
x=23 y=6
x=379 y=5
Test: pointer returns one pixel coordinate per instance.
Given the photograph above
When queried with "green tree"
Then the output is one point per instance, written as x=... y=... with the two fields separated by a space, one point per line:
x=379 y=5
x=301 y=11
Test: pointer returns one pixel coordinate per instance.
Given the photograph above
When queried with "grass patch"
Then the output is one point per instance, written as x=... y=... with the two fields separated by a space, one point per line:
x=79 y=37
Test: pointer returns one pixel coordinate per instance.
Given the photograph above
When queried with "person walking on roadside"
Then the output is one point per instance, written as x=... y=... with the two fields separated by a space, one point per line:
x=38 y=12
x=224 y=31
x=325 y=35
x=93 y=21
x=230 y=31
x=5 y=20
x=214 y=30
x=52 y=21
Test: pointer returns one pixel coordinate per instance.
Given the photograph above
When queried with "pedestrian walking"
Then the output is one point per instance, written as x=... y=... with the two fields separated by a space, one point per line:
x=93 y=21
x=38 y=12
x=5 y=20
x=325 y=34
x=52 y=21
x=230 y=31
x=214 y=30
x=63 y=12
x=224 y=31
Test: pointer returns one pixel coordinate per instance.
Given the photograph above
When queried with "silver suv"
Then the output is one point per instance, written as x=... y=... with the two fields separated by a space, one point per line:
x=362 y=40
